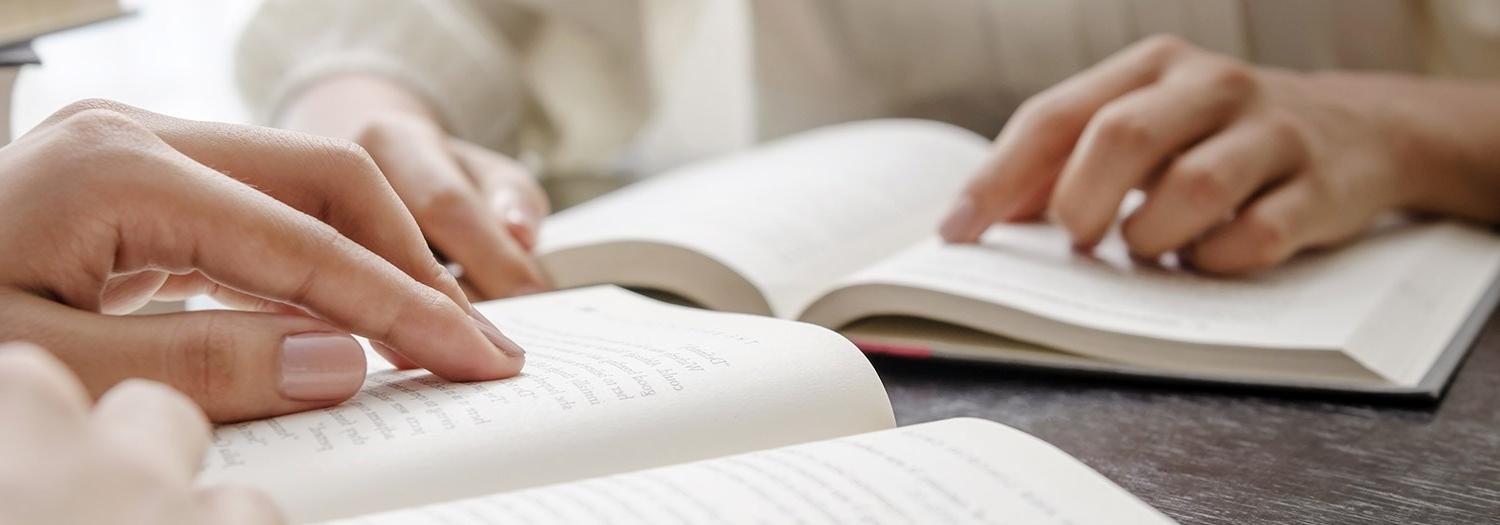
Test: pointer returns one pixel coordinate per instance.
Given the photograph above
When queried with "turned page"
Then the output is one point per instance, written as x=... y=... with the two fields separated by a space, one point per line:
x=952 y=471
x=1316 y=301
x=614 y=382
x=796 y=214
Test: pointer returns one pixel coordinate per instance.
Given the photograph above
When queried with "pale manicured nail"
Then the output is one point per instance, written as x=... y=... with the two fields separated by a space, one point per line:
x=963 y=223
x=506 y=346
x=521 y=226
x=321 y=367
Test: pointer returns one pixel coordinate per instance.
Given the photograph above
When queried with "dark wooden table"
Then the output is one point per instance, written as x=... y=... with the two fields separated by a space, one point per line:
x=1207 y=456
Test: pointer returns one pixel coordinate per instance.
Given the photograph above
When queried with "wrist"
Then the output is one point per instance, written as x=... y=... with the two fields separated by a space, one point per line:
x=1440 y=136
x=345 y=106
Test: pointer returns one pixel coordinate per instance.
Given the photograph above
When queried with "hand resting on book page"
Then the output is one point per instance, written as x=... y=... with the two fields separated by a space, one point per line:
x=477 y=207
x=130 y=459
x=107 y=206
x=1243 y=166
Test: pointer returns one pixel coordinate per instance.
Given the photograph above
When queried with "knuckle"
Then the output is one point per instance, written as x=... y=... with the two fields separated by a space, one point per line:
x=1067 y=212
x=434 y=273
x=1200 y=185
x=449 y=207
x=101 y=125
x=348 y=159
x=1267 y=237
x=91 y=104
x=1140 y=237
x=387 y=128
x=1048 y=110
x=1232 y=78
x=203 y=358
x=428 y=307
x=349 y=154
x=1122 y=128
x=105 y=142
x=1162 y=47
x=1284 y=130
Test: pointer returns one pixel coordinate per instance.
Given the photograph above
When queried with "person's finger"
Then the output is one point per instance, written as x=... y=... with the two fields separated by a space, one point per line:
x=235 y=505
x=1131 y=138
x=393 y=357
x=151 y=421
x=512 y=192
x=304 y=262
x=182 y=287
x=333 y=181
x=234 y=365
x=1206 y=185
x=1269 y=231
x=40 y=399
x=470 y=290
x=1032 y=149
x=128 y=293
x=493 y=261
x=446 y=205
x=173 y=214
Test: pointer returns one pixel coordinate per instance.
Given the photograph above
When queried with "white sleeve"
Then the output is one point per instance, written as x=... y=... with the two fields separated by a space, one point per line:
x=447 y=52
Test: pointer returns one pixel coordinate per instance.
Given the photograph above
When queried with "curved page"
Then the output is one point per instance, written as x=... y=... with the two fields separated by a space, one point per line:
x=614 y=382
x=952 y=471
x=790 y=217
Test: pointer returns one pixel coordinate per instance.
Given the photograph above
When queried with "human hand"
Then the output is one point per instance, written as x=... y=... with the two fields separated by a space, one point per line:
x=478 y=208
x=130 y=459
x=107 y=206
x=1243 y=166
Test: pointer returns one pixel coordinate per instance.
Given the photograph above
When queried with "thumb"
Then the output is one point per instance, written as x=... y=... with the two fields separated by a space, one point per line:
x=235 y=365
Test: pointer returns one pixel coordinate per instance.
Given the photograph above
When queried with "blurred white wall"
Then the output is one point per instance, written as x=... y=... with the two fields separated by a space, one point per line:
x=171 y=56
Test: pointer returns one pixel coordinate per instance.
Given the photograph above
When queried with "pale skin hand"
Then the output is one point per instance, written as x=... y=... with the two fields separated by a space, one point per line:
x=1243 y=166
x=107 y=207
x=477 y=207
x=131 y=458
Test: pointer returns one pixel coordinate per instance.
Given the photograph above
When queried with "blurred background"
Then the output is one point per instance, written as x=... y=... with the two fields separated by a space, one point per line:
x=171 y=56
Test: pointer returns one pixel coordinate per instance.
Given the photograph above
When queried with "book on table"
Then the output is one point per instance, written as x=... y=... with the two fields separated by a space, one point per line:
x=631 y=410
x=837 y=226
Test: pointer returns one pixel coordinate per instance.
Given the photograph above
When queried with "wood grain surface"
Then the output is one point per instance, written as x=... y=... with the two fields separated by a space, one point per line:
x=1212 y=456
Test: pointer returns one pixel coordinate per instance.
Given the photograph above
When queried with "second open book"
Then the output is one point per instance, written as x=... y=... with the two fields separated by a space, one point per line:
x=633 y=411
x=836 y=227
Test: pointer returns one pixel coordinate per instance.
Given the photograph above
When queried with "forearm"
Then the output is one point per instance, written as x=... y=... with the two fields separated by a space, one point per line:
x=344 y=106
x=1446 y=133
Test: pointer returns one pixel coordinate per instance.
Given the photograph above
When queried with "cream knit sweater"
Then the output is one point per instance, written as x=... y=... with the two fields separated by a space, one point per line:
x=607 y=86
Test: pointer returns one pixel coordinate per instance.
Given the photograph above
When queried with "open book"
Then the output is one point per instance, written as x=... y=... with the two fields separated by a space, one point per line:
x=631 y=410
x=837 y=227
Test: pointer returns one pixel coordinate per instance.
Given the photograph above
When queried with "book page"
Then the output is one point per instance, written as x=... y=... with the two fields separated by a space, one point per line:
x=952 y=471
x=1316 y=301
x=795 y=215
x=614 y=382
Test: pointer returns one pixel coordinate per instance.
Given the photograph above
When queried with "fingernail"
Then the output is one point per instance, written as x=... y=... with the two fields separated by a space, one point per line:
x=321 y=367
x=506 y=346
x=963 y=223
x=522 y=226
